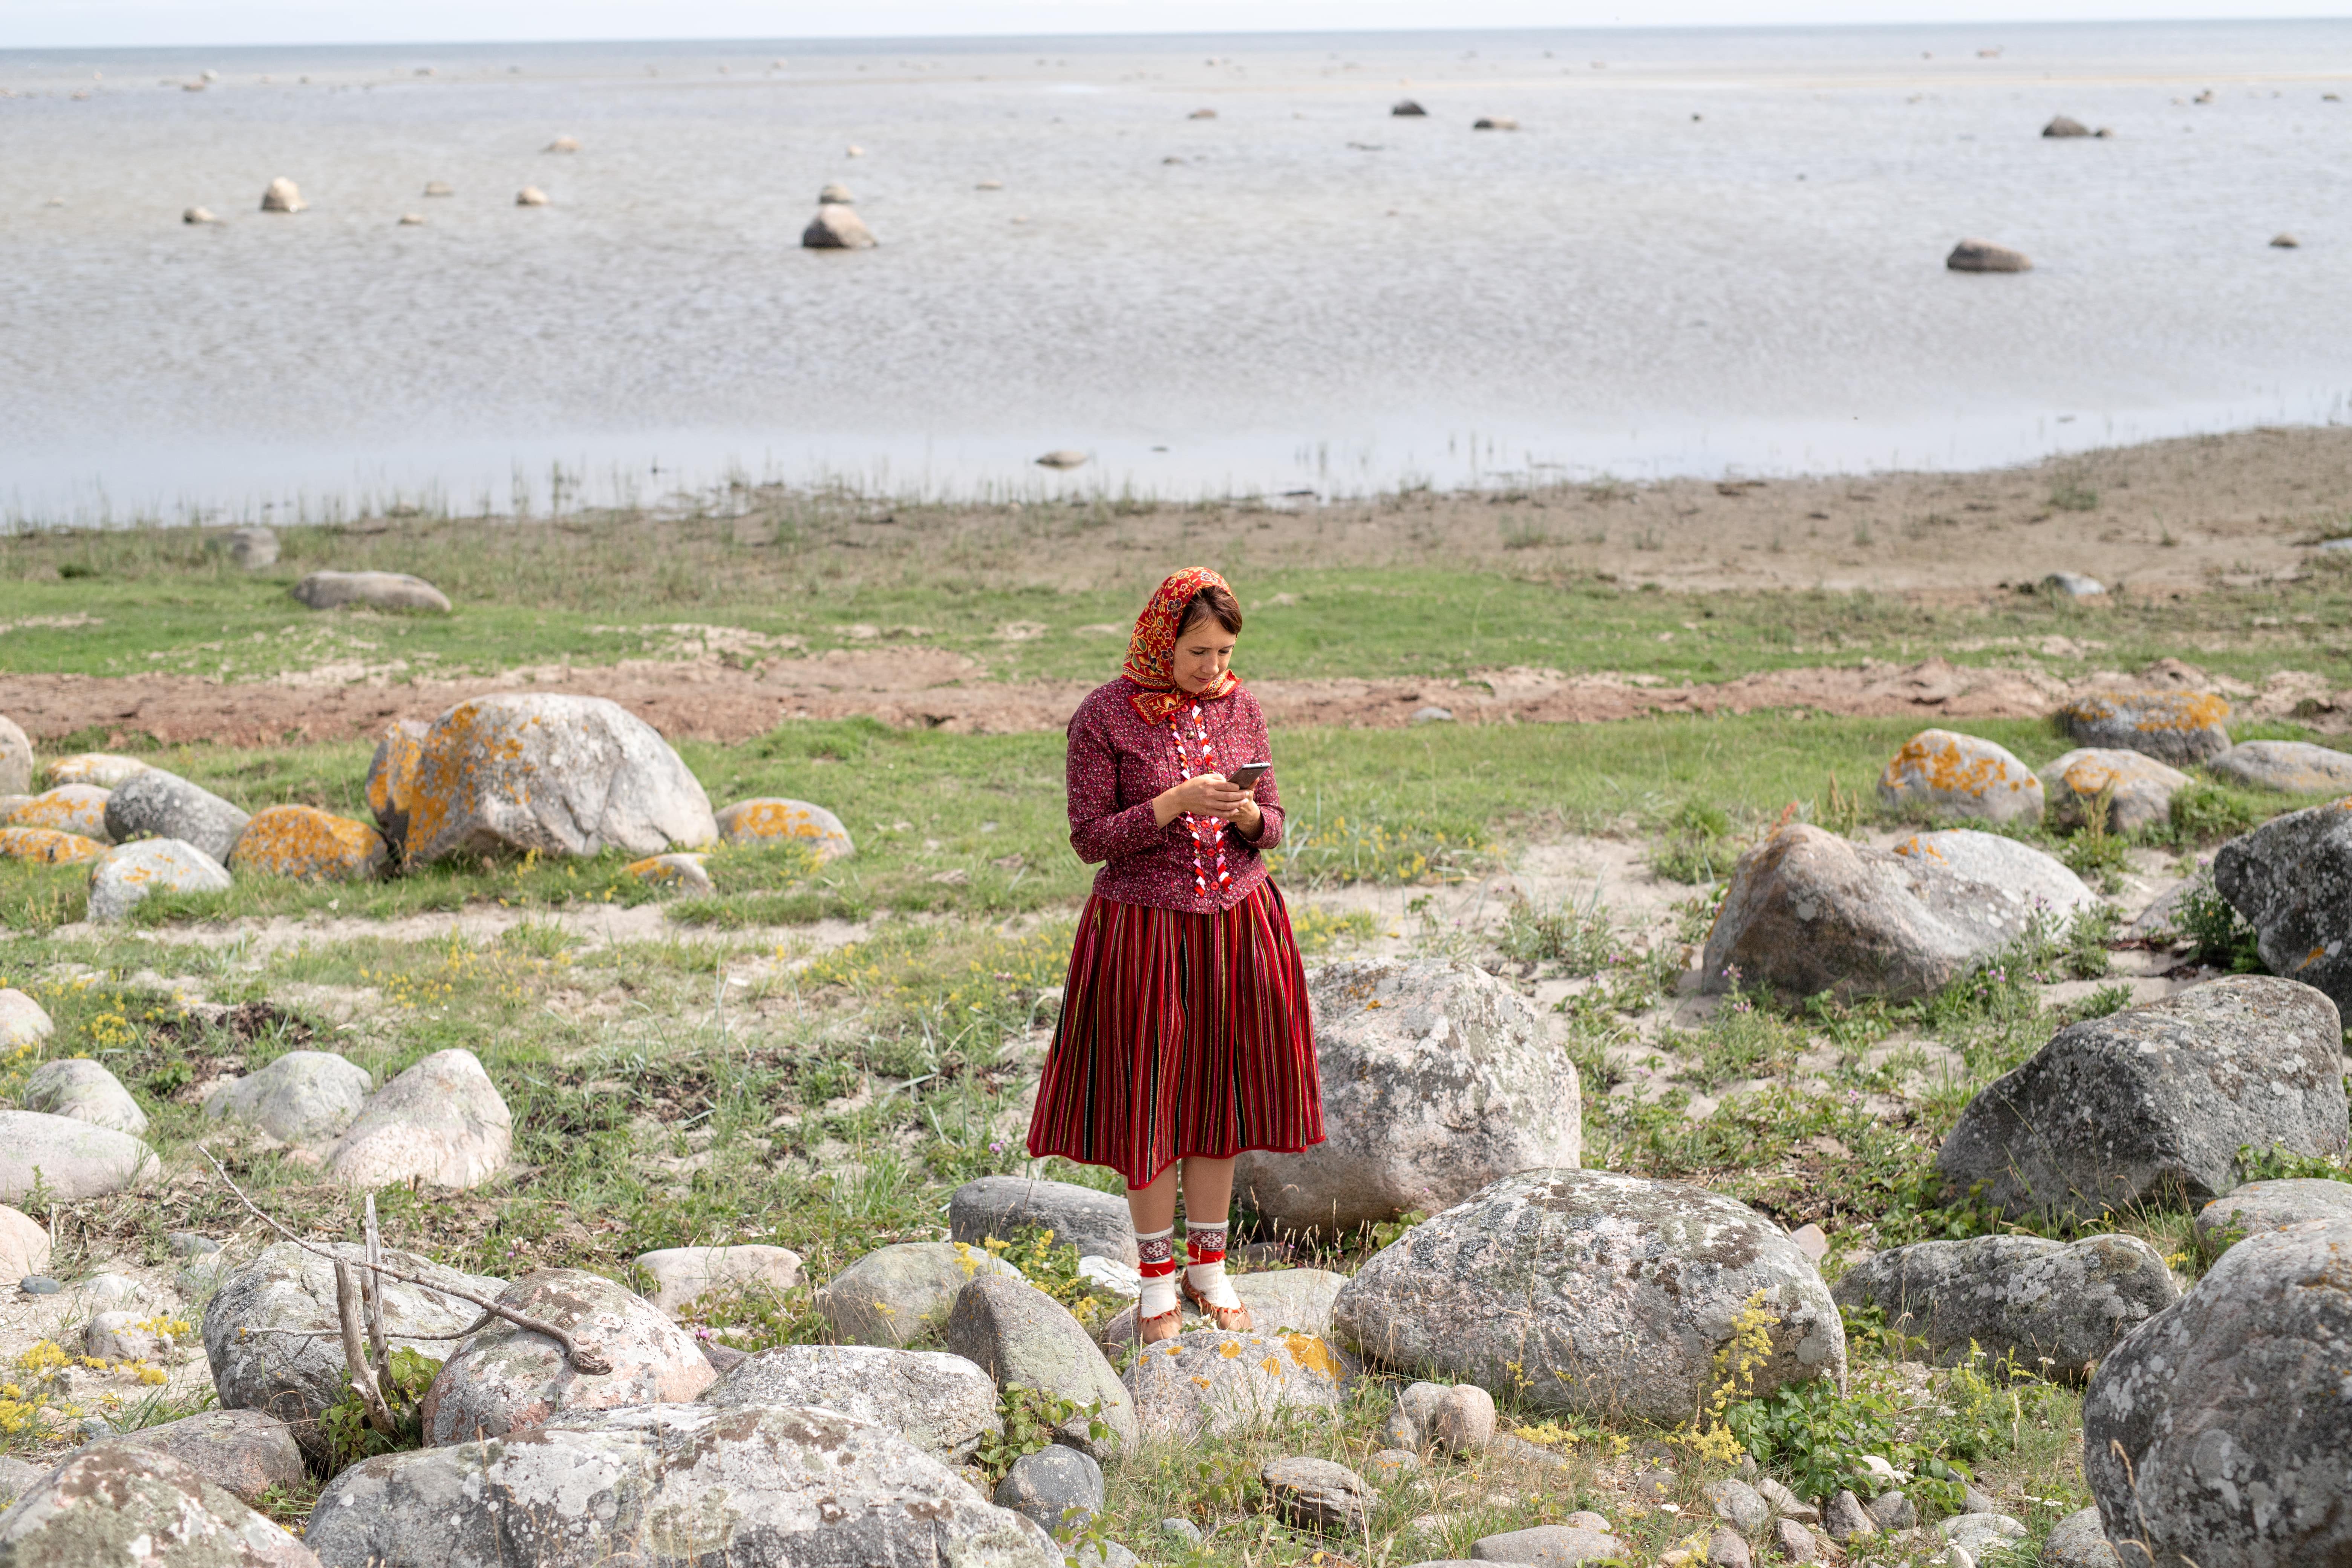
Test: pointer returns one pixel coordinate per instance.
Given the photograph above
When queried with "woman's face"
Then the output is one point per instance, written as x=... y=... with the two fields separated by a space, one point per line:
x=1203 y=651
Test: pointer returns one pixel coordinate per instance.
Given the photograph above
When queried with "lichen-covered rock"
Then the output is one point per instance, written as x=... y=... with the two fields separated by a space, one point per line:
x=130 y=874
x=80 y=1088
x=2295 y=767
x=2291 y=880
x=680 y=873
x=1593 y=1292
x=2257 y=1206
x=15 y=759
x=2218 y=1433
x=441 y=1122
x=2174 y=727
x=503 y=1379
x=1954 y=774
x=104 y=769
x=22 y=1021
x=682 y=1275
x=306 y=1099
x=69 y=1160
x=1809 y=911
x=47 y=846
x=774 y=820
x=153 y=804
x=309 y=845
x=2143 y=786
x=2056 y=1308
x=560 y=775
x=372 y=590
x=117 y=1503
x=70 y=808
x=2153 y=1103
x=245 y=1452
x=754 y=1486
x=902 y=1292
x=2080 y=1540
x=1058 y=1490
x=1024 y=1339
x=1095 y=1223
x=836 y=227
x=1437 y=1078
x=1208 y=1382
x=942 y=1403
x=392 y=776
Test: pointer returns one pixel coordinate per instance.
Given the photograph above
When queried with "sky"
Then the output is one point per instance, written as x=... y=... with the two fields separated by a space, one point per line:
x=82 y=24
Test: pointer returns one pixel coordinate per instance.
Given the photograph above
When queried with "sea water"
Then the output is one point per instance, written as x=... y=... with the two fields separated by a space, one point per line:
x=1698 y=252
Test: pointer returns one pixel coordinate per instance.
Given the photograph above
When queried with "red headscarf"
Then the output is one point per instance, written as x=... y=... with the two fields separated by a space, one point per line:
x=1150 y=652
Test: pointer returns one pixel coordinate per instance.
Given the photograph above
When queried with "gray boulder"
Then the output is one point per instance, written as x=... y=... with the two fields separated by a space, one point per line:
x=942 y=1403
x=1437 y=1078
x=441 y=1122
x=836 y=227
x=2080 y=1542
x=153 y=804
x=1096 y=1224
x=2143 y=788
x=1319 y=1494
x=894 y=1294
x=2256 y=1206
x=2292 y=880
x=244 y=1451
x=755 y=1487
x=118 y=1503
x=371 y=590
x=80 y=1088
x=2066 y=125
x=1952 y=774
x=1846 y=1518
x=1981 y=1534
x=2176 y=726
x=503 y=1379
x=1024 y=1339
x=1739 y=1505
x=2040 y=1300
x=2295 y=767
x=306 y=1098
x=1208 y=1383
x=1058 y=1490
x=124 y=877
x=15 y=759
x=1593 y=1292
x=22 y=1021
x=68 y=1159
x=2153 y=1103
x=1810 y=911
x=1547 y=1543
x=683 y=1275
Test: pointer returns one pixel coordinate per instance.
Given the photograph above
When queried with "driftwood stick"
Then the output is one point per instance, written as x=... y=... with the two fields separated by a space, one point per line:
x=379 y=1343
x=584 y=1359
x=363 y=1376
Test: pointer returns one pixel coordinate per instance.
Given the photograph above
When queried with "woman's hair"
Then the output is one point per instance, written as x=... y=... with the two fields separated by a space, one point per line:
x=1216 y=603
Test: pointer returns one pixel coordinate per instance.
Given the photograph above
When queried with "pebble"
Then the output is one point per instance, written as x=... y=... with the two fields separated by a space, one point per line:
x=38 y=1285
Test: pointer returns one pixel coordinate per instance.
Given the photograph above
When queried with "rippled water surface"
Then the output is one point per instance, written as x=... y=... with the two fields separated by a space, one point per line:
x=1699 y=251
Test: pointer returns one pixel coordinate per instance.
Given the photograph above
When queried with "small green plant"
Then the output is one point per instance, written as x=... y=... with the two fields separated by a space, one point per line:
x=344 y=1423
x=2207 y=812
x=1818 y=1438
x=1695 y=846
x=1032 y=1417
x=2275 y=1164
x=2074 y=495
x=2218 y=935
x=1568 y=939
x=1055 y=1270
x=2095 y=852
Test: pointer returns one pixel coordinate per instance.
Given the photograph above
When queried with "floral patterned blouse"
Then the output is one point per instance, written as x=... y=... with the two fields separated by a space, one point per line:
x=1119 y=764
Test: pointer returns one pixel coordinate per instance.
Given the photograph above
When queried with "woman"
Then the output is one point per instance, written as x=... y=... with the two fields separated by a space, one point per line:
x=1184 y=1033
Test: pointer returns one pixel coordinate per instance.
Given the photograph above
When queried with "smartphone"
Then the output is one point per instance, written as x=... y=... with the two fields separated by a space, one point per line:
x=1248 y=774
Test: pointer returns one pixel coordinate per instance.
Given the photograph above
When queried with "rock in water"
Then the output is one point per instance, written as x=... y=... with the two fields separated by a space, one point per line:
x=22 y=1021
x=2255 y=1207
x=771 y=821
x=685 y=1274
x=66 y=808
x=282 y=196
x=1407 y=108
x=103 y=769
x=1983 y=256
x=1023 y=1338
x=2296 y=767
x=894 y=1294
x=2153 y=1103
x=2143 y=786
x=1961 y=775
x=942 y=1403
x=157 y=804
x=442 y=1121
x=1095 y=1223
x=306 y=1099
x=562 y=775
x=244 y=1451
x=1809 y=911
x=836 y=227
x=118 y=1503
x=131 y=873
x=373 y=590
x=2176 y=726
x=758 y=1487
x=1059 y=1489
x=2291 y=880
x=309 y=846
x=2218 y=1433
x=1209 y=1382
x=80 y=1088
x=1437 y=1078
x=504 y=1379
x=1593 y=1292
x=2062 y=126
x=15 y=759
x=2044 y=1300
x=47 y=846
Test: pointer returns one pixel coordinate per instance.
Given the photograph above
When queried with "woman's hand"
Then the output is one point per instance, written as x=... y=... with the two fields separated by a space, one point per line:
x=1208 y=795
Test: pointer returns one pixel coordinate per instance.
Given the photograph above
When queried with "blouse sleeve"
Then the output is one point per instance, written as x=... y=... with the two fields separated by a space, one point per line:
x=1100 y=830
x=1267 y=793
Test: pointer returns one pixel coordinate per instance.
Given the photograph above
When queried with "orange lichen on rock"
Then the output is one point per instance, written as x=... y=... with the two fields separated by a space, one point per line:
x=77 y=808
x=1961 y=775
x=49 y=846
x=2171 y=726
x=392 y=777
x=303 y=842
x=678 y=873
x=774 y=820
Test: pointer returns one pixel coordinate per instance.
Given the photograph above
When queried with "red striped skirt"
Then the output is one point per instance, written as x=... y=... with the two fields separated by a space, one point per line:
x=1180 y=1033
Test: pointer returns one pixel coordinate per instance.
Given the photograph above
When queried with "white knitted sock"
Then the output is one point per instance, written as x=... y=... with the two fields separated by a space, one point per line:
x=1156 y=1255
x=1204 y=1262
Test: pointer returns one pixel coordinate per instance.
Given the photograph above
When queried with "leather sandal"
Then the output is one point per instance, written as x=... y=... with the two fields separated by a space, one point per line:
x=1232 y=1319
x=1166 y=1326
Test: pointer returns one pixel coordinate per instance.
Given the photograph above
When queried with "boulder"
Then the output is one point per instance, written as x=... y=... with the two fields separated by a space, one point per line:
x=1407 y=108
x=1845 y=1518
x=1063 y=458
x=503 y=1379
x=2064 y=126
x=1457 y=1418
x=2073 y=585
x=1549 y=1544
x=2295 y=767
x=392 y=776
x=835 y=194
x=198 y=214
x=2153 y=1103
x=683 y=1274
x=560 y=775
x=157 y=804
x=771 y=820
x=69 y=808
x=894 y=1294
x=104 y=769
x=1984 y=256
x=530 y=197
x=755 y=1487
x=47 y=846
x=2079 y=1541
x=15 y=1475
x=680 y=873
x=1981 y=1534
x=306 y=1099
x=309 y=845
x=1809 y=911
x=271 y=1331
x=1095 y=1223
x=69 y=1160
x=371 y=590
x=80 y=1088
x=1058 y=1490
x=2144 y=788
x=1209 y=1382
x=2056 y=1308
x=1794 y=1542
x=22 y=1021
x=1593 y=1292
x=836 y=227
x=2255 y=1207
x=1024 y=1339
x=441 y=1122
x=251 y=548
x=244 y=1452
x=1494 y=122
x=1954 y=774
x=118 y=1503
x=942 y=1403
x=2176 y=726
x=2291 y=880
x=282 y=196
x=23 y=1245
x=1438 y=1077
x=10 y=805
x=15 y=759
x=1319 y=1494
x=1739 y=1505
